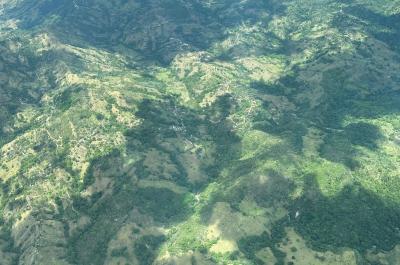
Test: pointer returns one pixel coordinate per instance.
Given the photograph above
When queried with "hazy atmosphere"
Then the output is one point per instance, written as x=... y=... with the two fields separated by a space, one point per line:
x=199 y=132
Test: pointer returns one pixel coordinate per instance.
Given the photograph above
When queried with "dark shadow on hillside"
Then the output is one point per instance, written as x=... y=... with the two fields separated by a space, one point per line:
x=155 y=30
x=287 y=124
x=341 y=141
x=271 y=193
x=167 y=130
x=340 y=146
x=343 y=97
x=26 y=76
x=14 y=98
x=274 y=192
x=167 y=125
x=389 y=32
x=354 y=218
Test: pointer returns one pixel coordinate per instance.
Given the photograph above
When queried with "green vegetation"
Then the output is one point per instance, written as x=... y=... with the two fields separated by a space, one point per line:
x=354 y=218
x=199 y=132
x=146 y=248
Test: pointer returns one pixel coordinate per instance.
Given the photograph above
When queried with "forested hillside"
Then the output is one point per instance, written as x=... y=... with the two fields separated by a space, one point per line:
x=173 y=132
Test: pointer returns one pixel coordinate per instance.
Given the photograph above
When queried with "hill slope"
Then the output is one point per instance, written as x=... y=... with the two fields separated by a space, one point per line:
x=199 y=132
